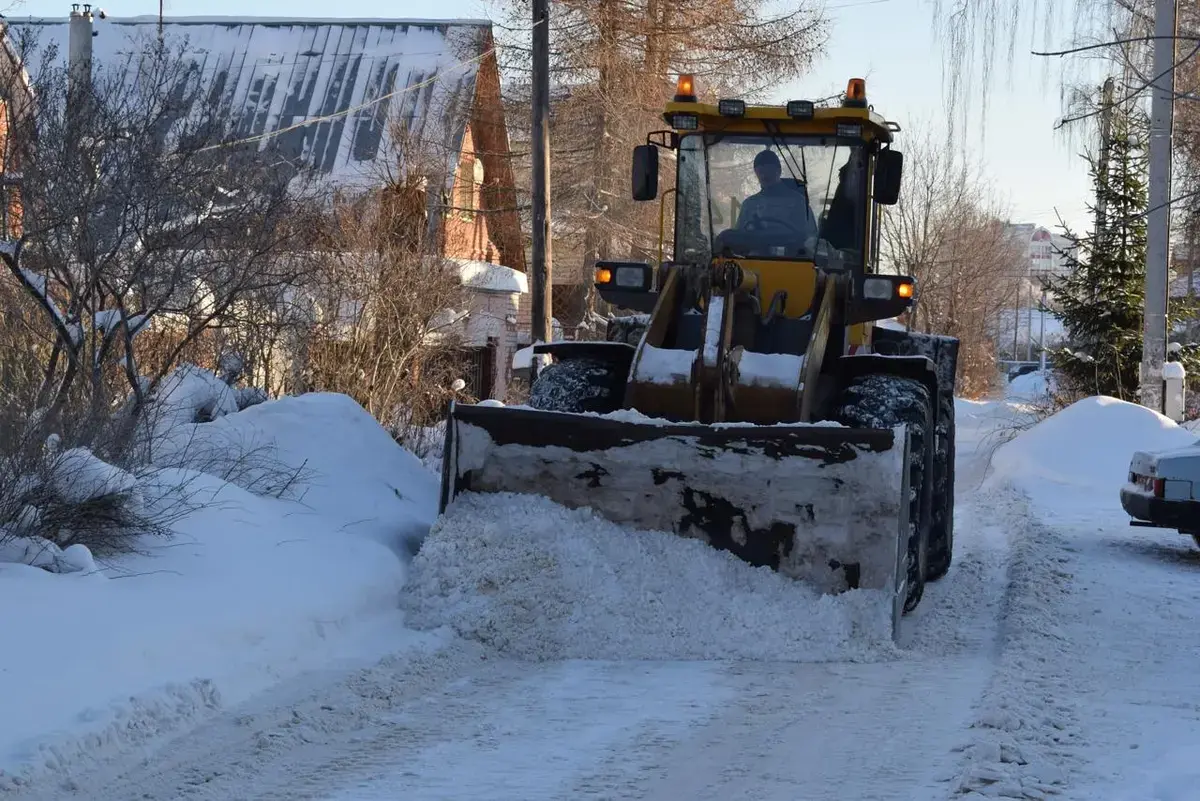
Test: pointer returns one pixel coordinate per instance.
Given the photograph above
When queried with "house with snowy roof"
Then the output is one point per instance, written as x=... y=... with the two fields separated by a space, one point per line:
x=325 y=94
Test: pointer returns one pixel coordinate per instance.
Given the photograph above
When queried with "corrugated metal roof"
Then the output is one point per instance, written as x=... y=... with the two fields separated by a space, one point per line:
x=276 y=75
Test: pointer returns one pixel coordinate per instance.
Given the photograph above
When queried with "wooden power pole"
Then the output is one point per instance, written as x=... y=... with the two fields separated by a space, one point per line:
x=540 y=288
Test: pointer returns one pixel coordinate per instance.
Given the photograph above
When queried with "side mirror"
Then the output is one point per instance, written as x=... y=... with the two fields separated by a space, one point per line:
x=645 y=172
x=889 y=165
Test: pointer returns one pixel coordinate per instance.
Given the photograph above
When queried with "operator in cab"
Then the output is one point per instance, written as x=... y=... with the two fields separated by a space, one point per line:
x=775 y=221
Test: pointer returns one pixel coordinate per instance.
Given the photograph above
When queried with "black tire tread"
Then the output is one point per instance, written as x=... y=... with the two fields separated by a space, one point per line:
x=576 y=385
x=884 y=401
x=941 y=529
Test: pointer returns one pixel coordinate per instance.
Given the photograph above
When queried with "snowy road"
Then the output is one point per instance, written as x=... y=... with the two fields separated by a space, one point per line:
x=454 y=724
x=1020 y=678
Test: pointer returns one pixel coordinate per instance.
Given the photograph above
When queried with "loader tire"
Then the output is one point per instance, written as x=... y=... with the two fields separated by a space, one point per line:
x=577 y=385
x=884 y=401
x=941 y=529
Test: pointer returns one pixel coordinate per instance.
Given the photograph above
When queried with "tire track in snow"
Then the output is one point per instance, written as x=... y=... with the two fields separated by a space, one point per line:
x=1022 y=739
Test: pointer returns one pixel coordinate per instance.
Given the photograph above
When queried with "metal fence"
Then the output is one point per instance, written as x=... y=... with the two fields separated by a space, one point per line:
x=481 y=370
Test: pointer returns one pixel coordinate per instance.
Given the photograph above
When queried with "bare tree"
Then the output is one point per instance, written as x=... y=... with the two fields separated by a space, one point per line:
x=613 y=67
x=141 y=229
x=947 y=232
x=388 y=313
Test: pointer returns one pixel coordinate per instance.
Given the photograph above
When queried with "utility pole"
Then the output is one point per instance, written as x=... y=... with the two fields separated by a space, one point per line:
x=1106 y=112
x=1158 y=220
x=540 y=288
x=1042 y=331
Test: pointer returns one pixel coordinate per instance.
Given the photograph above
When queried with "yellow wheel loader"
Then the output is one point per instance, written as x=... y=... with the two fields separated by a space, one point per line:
x=752 y=401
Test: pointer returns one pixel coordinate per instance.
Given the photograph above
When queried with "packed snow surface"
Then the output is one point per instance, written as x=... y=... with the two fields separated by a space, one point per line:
x=538 y=581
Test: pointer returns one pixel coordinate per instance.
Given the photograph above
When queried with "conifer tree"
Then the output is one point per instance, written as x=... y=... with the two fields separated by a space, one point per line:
x=1102 y=299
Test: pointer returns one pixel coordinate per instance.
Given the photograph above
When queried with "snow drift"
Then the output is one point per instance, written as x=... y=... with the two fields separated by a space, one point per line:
x=250 y=589
x=538 y=581
x=1086 y=446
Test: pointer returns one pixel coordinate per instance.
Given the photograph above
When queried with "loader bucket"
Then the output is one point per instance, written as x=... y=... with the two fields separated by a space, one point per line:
x=817 y=502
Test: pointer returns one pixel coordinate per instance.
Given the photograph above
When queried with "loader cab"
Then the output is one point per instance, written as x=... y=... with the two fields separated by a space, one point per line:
x=835 y=170
x=838 y=159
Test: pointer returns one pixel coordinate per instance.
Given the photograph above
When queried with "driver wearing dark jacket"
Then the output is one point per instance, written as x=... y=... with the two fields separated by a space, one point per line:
x=778 y=204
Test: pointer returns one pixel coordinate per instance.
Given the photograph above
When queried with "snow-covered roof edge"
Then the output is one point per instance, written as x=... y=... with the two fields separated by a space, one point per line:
x=322 y=91
x=152 y=19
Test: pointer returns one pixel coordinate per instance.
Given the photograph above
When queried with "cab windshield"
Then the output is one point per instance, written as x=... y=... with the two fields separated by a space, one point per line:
x=768 y=197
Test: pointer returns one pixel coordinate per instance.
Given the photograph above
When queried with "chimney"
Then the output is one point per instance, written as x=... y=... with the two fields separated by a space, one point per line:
x=79 y=48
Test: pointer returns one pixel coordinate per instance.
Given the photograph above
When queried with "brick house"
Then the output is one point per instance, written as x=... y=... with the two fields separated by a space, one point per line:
x=327 y=94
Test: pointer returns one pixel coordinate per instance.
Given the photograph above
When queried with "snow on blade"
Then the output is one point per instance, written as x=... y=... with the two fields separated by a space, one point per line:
x=770 y=369
x=665 y=365
x=538 y=581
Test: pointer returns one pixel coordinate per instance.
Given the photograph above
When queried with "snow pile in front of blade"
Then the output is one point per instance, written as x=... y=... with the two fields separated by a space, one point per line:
x=538 y=581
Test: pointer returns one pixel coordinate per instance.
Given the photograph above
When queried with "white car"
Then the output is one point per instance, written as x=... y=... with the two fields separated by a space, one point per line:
x=1164 y=490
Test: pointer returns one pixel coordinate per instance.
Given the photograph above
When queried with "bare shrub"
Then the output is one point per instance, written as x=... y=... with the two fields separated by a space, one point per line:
x=389 y=312
x=135 y=236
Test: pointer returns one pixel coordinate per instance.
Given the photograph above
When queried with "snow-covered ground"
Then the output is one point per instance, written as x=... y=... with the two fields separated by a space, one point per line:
x=250 y=591
x=1054 y=661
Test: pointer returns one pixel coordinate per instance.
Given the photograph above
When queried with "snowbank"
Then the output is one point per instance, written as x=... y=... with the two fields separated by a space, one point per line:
x=1088 y=445
x=251 y=589
x=538 y=581
x=1073 y=463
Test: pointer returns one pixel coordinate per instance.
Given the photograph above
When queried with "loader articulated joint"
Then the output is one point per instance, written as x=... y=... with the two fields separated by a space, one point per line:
x=728 y=275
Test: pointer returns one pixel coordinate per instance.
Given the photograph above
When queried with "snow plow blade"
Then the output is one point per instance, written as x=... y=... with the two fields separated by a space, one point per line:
x=820 y=503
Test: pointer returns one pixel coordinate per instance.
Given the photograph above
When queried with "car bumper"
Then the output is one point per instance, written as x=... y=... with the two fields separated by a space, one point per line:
x=1182 y=515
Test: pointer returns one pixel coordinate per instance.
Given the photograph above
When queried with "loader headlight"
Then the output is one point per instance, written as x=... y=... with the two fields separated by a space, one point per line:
x=630 y=277
x=877 y=289
x=685 y=122
x=887 y=289
x=800 y=109
x=731 y=108
x=624 y=275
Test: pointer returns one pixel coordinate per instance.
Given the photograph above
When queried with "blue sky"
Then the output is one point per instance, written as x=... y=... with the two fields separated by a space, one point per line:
x=889 y=42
